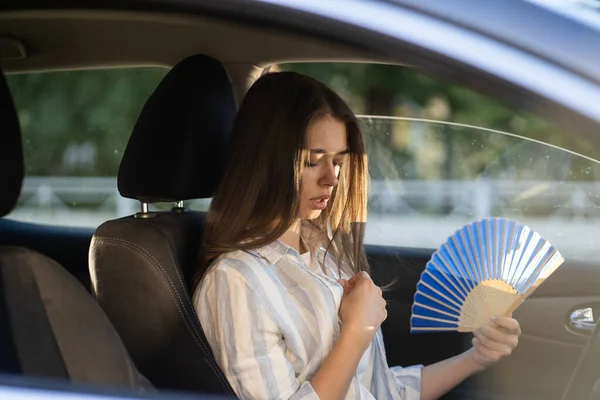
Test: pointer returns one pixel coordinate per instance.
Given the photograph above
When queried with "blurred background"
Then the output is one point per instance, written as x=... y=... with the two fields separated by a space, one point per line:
x=439 y=155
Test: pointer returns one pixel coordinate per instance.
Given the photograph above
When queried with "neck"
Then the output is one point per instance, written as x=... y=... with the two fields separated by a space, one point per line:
x=292 y=237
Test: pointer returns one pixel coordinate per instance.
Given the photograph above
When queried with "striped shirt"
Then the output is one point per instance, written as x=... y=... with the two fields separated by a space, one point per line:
x=271 y=320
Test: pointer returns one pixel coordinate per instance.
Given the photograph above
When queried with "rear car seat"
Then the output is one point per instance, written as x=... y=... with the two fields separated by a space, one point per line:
x=50 y=326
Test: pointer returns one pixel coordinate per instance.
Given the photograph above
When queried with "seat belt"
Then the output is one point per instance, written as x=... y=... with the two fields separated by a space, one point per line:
x=36 y=347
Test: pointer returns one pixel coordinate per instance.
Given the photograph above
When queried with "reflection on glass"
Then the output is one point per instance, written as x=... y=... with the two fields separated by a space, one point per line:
x=430 y=177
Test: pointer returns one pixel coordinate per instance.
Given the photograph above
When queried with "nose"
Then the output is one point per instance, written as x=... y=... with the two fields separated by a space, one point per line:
x=330 y=175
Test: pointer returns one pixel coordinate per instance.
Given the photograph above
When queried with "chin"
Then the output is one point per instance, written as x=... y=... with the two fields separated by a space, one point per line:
x=310 y=214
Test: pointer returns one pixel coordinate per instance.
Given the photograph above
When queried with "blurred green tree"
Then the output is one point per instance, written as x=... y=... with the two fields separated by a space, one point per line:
x=78 y=122
x=403 y=91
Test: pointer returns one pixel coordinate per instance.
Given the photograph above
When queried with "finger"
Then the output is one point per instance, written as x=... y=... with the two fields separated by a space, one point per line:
x=504 y=346
x=347 y=286
x=383 y=303
x=362 y=280
x=352 y=281
x=489 y=356
x=490 y=344
x=499 y=334
x=362 y=275
x=509 y=324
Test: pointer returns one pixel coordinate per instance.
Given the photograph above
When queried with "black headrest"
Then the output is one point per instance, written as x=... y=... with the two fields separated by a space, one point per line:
x=177 y=148
x=11 y=151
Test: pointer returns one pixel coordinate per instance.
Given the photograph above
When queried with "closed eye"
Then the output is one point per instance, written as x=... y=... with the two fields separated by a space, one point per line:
x=336 y=162
x=315 y=164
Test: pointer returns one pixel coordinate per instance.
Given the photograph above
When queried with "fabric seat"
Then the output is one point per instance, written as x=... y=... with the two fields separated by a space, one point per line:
x=50 y=326
x=141 y=265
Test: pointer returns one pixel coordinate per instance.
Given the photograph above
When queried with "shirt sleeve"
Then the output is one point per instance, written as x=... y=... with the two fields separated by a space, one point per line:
x=245 y=340
x=408 y=380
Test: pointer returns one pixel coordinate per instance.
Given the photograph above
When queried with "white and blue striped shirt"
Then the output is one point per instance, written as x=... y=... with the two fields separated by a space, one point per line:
x=271 y=319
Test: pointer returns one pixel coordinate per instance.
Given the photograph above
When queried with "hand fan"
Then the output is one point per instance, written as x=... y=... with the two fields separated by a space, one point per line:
x=486 y=268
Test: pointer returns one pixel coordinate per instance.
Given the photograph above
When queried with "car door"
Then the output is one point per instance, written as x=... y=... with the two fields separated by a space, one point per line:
x=441 y=156
x=508 y=62
x=546 y=188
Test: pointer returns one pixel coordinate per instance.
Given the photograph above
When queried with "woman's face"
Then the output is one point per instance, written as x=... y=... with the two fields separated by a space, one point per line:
x=327 y=145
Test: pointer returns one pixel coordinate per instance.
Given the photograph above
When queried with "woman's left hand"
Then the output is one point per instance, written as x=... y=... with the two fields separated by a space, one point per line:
x=495 y=341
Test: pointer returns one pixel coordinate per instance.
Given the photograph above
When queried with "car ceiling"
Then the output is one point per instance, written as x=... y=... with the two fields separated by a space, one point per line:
x=104 y=33
x=68 y=39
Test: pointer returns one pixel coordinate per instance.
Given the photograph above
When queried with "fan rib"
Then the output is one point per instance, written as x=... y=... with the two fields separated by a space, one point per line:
x=518 y=266
x=534 y=267
x=464 y=291
x=509 y=253
x=489 y=228
x=435 y=310
x=455 y=322
x=452 y=307
x=472 y=277
x=480 y=250
x=434 y=329
x=464 y=271
x=477 y=270
x=440 y=294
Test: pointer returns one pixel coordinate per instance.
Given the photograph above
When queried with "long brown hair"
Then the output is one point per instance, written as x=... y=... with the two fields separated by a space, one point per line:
x=257 y=200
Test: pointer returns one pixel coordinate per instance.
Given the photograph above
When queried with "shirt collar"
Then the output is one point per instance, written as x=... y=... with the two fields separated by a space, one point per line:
x=273 y=252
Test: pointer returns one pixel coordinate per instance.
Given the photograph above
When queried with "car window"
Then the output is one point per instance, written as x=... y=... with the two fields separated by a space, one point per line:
x=441 y=156
x=75 y=126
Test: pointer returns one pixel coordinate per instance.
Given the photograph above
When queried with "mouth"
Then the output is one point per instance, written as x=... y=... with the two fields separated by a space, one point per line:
x=320 y=202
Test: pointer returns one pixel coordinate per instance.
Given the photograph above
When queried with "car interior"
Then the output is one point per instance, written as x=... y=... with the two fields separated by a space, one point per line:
x=141 y=265
x=110 y=306
x=51 y=326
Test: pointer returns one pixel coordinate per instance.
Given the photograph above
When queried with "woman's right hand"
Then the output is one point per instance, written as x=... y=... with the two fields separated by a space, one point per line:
x=362 y=309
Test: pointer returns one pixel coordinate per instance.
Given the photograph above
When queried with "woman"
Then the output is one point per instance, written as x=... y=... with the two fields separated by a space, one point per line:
x=285 y=297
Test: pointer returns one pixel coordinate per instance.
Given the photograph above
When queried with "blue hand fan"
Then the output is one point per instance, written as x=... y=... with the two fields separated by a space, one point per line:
x=486 y=268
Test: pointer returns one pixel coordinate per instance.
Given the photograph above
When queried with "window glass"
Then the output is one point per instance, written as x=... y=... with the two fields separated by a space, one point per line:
x=441 y=156
x=75 y=126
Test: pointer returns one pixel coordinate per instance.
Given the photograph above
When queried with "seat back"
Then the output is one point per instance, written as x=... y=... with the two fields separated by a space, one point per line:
x=50 y=326
x=141 y=265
